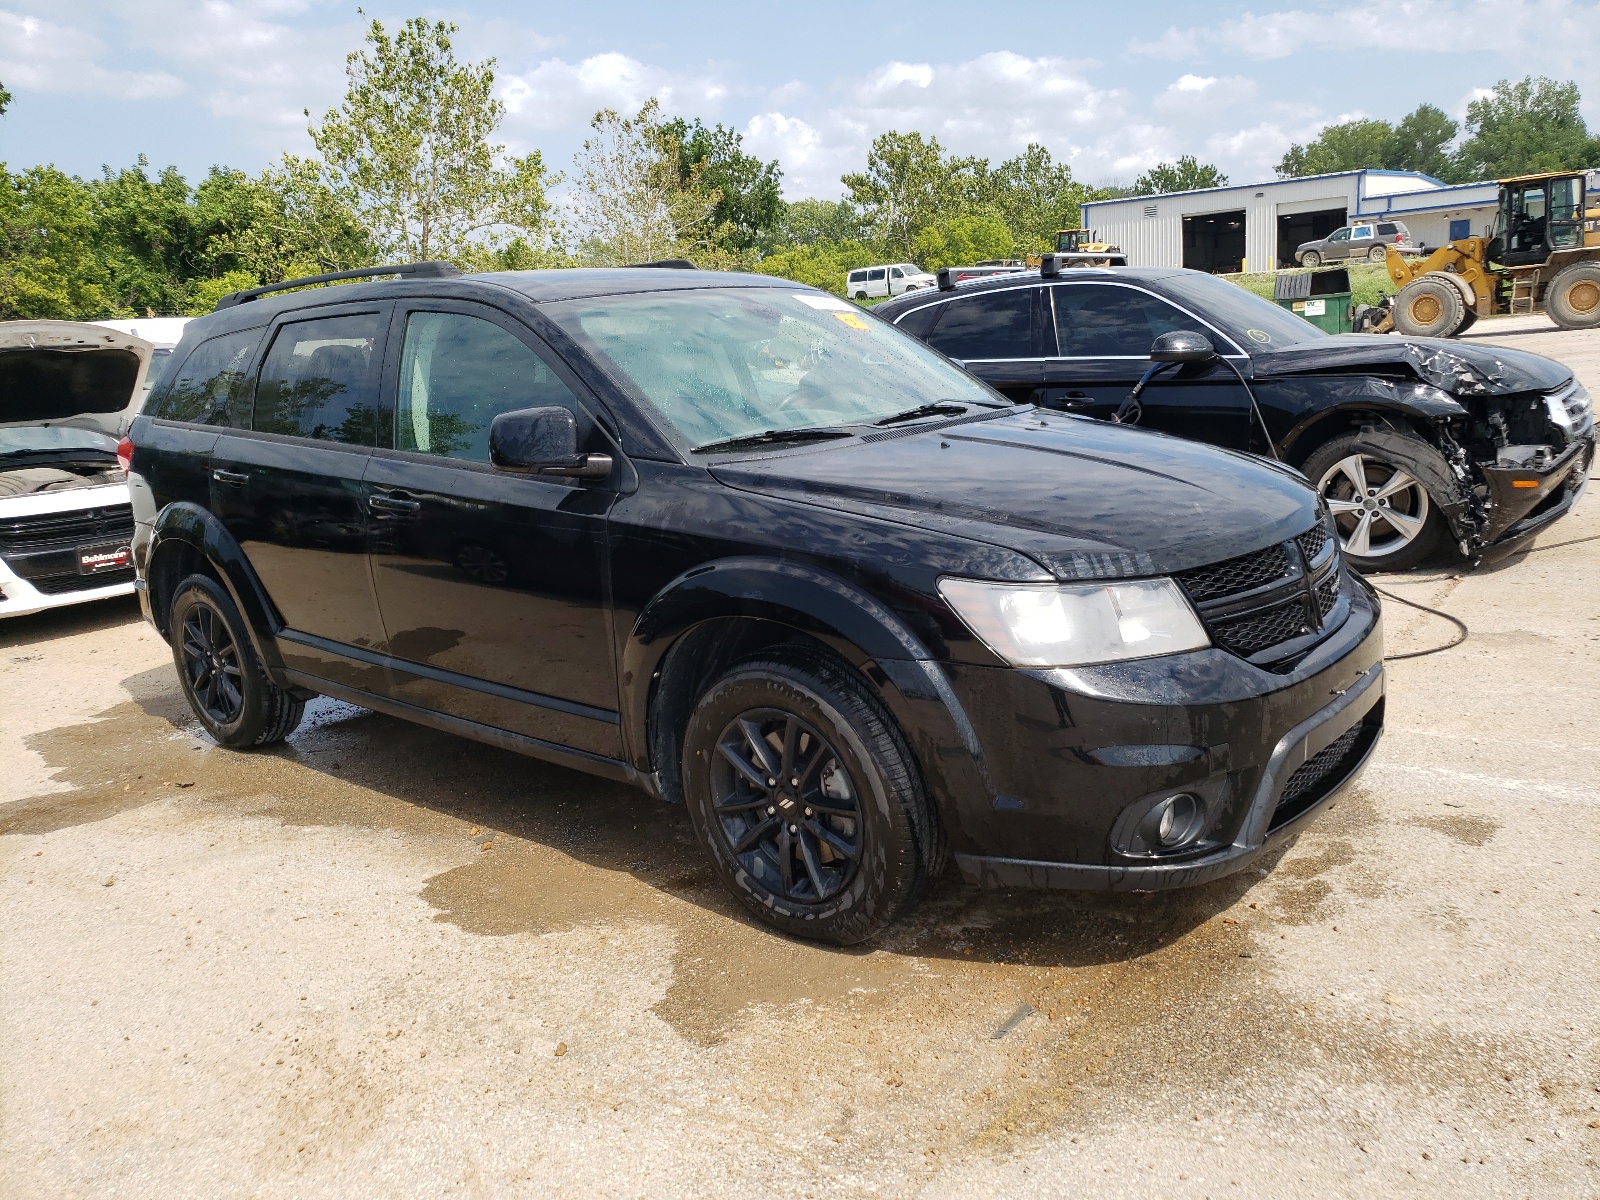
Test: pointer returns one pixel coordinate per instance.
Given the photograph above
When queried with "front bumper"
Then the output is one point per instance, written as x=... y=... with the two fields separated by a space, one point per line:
x=41 y=536
x=1526 y=500
x=1071 y=754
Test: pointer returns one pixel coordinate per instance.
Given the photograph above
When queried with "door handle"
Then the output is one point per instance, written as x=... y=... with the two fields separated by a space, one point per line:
x=1074 y=400
x=394 y=505
x=231 y=478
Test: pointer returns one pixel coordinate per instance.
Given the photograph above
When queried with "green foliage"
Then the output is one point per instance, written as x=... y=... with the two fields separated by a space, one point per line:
x=1525 y=127
x=909 y=184
x=1421 y=142
x=1035 y=196
x=821 y=264
x=408 y=150
x=1352 y=146
x=5 y=99
x=1185 y=175
x=964 y=238
x=749 y=203
x=808 y=221
x=49 y=267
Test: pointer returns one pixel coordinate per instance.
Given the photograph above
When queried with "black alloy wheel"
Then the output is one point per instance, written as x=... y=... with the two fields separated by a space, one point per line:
x=230 y=693
x=786 y=806
x=802 y=789
x=211 y=664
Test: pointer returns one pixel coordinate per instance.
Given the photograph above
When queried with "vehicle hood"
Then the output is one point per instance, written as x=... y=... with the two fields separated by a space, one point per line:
x=1460 y=368
x=55 y=373
x=1085 y=499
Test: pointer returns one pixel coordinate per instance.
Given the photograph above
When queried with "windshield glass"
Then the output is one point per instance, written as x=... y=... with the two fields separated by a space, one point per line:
x=1253 y=322
x=731 y=362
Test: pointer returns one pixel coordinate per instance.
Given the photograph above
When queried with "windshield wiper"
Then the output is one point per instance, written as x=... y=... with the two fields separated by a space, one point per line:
x=774 y=437
x=939 y=408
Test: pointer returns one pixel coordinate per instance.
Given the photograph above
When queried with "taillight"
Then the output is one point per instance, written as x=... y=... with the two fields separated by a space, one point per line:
x=125 y=453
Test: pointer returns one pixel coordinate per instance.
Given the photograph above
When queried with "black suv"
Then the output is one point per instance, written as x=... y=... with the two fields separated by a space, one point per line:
x=1413 y=442
x=730 y=540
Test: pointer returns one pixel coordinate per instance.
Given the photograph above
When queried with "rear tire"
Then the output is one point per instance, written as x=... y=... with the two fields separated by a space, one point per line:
x=1573 y=298
x=1311 y=259
x=1429 y=308
x=1402 y=526
x=223 y=680
x=805 y=794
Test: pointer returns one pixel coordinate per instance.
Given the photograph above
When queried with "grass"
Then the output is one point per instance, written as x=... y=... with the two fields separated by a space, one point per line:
x=1368 y=282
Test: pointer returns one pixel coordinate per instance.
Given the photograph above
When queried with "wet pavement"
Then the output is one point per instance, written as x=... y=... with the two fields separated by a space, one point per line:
x=382 y=960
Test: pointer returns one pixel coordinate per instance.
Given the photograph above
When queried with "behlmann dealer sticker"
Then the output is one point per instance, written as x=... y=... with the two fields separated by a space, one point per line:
x=104 y=560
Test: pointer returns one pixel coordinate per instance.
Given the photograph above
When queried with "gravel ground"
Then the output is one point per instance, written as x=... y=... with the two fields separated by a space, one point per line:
x=380 y=960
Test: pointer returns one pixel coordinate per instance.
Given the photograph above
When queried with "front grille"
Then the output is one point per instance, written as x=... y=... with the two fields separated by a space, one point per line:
x=1320 y=773
x=1255 y=633
x=56 y=585
x=1256 y=602
x=1236 y=574
x=1312 y=541
x=65 y=529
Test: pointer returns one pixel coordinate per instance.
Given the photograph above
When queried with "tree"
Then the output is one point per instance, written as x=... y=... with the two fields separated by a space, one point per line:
x=909 y=184
x=146 y=237
x=630 y=201
x=1351 y=146
x=49 y=266
x=1421 y=142
x=1185 y=175
x=5 y=99
x=1524 y=127
x=749 y=199
x=963 y=238
x=809 y=221
x=408 y=150
x=1035 y=196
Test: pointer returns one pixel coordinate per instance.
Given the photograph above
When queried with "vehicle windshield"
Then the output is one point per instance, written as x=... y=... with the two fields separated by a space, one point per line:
x=722 y=363
x=1252 y=322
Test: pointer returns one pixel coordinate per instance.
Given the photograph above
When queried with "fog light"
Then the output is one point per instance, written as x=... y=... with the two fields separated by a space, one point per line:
x=1174 y=821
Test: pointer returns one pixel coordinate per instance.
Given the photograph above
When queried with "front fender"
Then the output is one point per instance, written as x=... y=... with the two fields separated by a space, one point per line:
x=872 y=638
x=184 y=524
x=1338 y=403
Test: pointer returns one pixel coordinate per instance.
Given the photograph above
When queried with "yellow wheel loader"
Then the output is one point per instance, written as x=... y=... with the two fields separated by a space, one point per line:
x=1545 y=256
x=1080 y=248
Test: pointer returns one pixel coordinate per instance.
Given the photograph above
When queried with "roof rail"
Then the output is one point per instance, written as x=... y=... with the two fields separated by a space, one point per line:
x=671 y=264
x=416 y=270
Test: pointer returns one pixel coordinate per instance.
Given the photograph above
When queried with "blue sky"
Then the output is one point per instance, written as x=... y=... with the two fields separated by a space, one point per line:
x=1110 y=88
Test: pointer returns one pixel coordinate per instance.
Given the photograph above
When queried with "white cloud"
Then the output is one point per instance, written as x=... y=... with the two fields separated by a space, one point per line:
x=44 y=56
x=1191 y=98
x=557 y=94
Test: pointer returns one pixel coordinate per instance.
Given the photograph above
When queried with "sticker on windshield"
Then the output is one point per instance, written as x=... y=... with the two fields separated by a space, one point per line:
x=851 y=319
x=1256 y=335
x=826 y=303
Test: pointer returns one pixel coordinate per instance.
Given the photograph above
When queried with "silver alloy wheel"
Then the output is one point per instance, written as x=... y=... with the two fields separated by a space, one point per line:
x=1378 y=508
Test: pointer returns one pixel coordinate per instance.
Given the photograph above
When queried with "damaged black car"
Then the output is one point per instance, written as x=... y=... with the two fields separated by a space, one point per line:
x=1414 y=443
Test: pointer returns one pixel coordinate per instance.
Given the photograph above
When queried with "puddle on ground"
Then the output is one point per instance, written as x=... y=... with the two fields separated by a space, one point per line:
x=1167 y=995
x=1467 y=829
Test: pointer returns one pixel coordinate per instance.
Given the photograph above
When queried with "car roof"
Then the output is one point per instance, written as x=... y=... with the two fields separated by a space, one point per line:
x=995 y=283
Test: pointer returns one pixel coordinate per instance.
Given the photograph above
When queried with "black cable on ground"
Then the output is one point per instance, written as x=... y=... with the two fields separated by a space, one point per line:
x=1456 y=621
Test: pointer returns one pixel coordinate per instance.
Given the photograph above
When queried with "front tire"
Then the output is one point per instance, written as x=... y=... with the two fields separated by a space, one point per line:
x=1385 y=517
x=805 y=794
x=1376 y=254
x=1429 y=308
x=223 y=680
x=1573 y=299
x=1311 y=259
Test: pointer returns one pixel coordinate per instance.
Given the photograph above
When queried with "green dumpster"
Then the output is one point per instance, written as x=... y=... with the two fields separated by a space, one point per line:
x=1321 y=297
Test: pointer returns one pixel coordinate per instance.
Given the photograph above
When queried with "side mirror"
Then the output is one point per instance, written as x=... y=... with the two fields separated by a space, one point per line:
x=543 y=441
x=1182 y=346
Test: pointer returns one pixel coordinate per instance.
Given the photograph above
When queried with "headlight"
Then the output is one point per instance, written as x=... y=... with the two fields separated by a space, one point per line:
x=1056 y=625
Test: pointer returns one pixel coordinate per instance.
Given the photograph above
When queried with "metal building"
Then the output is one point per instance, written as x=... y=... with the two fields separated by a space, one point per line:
x=1256 y=227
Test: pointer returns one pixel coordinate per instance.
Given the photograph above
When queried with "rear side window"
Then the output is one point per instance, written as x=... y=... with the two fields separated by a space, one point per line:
x=212 y=387
x=1388 y=229
x=875 y=275
x=320 y=381
x=858 y=276
x=1096 y=321
x=991 y=325
x=1361 y=231
x=457 y=374
x=919 y=322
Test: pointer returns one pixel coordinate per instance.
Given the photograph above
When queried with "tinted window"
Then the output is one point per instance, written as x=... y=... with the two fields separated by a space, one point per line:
x=1252 y=321
x=457 y=373
x=875 y=274
x=920 y=322
x=319 y=381
x=1388 y=229
x=1099 y=321
x=992 y=325
x=857 y=276
x=211 y=388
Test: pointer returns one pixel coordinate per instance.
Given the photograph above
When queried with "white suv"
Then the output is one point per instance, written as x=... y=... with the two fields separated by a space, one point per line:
x=891 y=279
x=68 y=391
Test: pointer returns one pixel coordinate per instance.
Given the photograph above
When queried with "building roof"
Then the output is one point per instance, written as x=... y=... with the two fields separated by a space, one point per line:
x=1428 y=180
